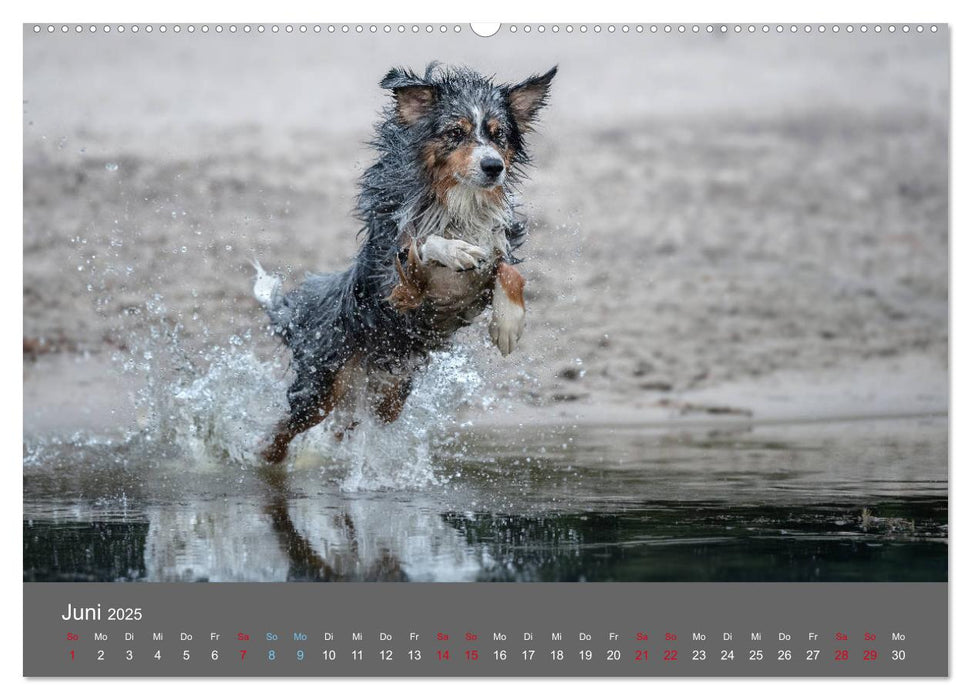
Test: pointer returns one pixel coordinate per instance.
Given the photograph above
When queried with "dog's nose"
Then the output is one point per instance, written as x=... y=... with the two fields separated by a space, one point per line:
x=492 y=167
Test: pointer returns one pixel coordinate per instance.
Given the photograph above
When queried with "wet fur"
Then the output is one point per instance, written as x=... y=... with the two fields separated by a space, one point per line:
x=373 y=325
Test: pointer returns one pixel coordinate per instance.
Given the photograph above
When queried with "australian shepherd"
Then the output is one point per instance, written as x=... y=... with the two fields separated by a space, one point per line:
x=440 y=226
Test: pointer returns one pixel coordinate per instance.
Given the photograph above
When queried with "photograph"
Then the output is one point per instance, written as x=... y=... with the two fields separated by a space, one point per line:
x=384 y=303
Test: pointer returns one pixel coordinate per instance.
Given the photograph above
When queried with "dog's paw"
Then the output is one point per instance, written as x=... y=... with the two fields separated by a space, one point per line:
x=453 y=253
x=507 y=324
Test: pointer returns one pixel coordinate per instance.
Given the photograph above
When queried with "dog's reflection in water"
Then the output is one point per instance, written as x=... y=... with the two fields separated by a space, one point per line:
x=283 y=529
x=306 y=563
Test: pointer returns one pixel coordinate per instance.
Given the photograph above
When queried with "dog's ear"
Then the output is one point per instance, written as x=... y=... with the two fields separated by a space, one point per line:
x=526 y=98
x=414 y=97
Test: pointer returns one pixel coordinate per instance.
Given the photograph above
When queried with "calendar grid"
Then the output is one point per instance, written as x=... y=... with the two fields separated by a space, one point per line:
x=727 y=629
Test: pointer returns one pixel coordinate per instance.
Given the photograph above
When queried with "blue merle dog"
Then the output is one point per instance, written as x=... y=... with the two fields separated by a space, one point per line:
x=439 y=230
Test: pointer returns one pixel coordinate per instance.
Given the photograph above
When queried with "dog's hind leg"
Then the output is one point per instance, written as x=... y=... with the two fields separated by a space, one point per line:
x=392 y=397
x=308 y=407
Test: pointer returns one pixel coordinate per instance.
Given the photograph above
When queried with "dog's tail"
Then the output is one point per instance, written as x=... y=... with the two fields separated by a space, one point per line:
x=268 y=290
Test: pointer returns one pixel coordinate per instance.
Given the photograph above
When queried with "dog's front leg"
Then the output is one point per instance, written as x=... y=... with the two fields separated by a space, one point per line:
x=508 y=308
x=453 y=253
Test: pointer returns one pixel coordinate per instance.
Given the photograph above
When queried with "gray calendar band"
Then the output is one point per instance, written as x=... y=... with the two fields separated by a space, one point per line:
x=908 y=623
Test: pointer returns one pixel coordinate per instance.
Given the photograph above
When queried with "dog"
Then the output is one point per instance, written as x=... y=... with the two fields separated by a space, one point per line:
x=440 y=226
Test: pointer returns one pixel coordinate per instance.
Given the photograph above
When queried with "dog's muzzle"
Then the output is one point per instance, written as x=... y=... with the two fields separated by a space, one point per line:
x=491 y=170
x=492 y=167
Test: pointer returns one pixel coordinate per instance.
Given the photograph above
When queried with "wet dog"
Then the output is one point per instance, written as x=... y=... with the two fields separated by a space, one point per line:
x=440 y=226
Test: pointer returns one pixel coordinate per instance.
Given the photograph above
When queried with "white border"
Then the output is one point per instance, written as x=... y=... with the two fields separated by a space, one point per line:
x=602 y=11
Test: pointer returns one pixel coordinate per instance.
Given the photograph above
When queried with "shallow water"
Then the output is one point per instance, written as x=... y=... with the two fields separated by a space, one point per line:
x=853 y=501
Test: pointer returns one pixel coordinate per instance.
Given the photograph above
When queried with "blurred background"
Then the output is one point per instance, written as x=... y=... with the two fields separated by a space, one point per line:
x=706 y=210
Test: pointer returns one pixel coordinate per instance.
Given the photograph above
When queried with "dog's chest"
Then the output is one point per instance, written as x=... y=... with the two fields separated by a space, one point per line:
x=453 y=298
x=466 y=217
x=461 y=292
x=487 y=235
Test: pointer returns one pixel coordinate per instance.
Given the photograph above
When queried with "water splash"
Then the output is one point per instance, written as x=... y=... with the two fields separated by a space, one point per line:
x=224 y=413
x=400 y=455
x=206 y=404
x=217 y=414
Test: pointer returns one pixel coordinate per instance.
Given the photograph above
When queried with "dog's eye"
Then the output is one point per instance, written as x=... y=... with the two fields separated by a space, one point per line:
x=497 y=133
x=457 y=133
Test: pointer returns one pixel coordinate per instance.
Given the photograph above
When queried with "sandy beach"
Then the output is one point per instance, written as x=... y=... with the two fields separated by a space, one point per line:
x=722 y=228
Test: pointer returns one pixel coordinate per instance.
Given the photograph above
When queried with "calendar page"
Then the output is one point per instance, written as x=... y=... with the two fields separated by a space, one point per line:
x=625 y=344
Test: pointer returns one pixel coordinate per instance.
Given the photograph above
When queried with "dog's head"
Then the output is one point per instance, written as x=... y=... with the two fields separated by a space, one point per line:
x=468 y=131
